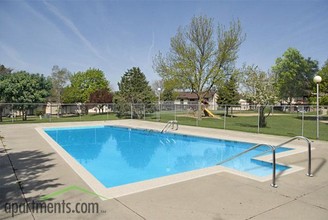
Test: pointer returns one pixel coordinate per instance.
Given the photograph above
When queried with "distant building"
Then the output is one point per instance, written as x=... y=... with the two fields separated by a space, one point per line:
x=188 y=98
x=244 y=105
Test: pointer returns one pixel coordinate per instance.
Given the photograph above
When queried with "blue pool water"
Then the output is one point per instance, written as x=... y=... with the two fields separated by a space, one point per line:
x=118 y=156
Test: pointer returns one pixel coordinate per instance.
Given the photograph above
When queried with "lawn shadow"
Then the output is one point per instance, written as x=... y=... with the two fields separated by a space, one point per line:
x=247 y=125
x=312 y=118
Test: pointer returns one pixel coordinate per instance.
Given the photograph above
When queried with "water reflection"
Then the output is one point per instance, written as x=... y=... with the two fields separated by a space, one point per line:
x=139 y=148
x=83 y=144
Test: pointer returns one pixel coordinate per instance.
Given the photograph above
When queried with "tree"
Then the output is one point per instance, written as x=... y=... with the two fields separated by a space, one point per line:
x=324 y=75
x=323 y=86
x=133 y=89
x=4 y=72
x=70 y=95
x=324 y=100
x=22 y=87
x=59 y=79
x=294 y=75
x=169 y=91
x=198 y=60
x=228 y=93
x=83 y=84
x=101 y=96
x=259 y=88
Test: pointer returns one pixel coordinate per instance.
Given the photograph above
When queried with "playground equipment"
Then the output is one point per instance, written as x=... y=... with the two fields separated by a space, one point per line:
x=209 y=112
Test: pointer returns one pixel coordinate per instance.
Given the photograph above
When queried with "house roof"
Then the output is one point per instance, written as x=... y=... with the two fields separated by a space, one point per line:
x=189 y=95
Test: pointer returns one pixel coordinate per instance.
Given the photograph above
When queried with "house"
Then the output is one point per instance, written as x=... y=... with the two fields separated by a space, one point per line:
x=188 y=98
x=244 y=105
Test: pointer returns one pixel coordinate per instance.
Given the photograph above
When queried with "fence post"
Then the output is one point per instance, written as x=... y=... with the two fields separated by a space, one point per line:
x=303 y=121
x=12 y=113
x=175 y=112
x=258 y=120
x=131 y=110
x=107 y=111
x=159 y=111
x=144 y=111
x=50 y=111
x=80 y=112
x=225 y=116
x=198 y=114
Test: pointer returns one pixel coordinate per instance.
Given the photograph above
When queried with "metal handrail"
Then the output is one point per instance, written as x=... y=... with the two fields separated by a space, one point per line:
x=309 y=173
x=170 y=123
x=309 y=151
x=273 y=149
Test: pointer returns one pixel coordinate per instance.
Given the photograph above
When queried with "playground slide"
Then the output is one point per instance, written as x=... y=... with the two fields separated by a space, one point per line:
x=209 y=113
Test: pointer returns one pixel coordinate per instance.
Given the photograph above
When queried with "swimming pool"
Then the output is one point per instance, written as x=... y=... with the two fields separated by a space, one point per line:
x=117 y=156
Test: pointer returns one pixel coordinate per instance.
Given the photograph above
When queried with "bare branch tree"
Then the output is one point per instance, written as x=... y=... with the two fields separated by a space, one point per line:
x=198 y=55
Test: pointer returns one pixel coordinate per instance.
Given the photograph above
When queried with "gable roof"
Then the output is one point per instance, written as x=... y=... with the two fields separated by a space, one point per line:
x=190 y=95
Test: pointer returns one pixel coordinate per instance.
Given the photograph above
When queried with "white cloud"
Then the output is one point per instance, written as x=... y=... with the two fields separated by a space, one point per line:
x=74 y=29
x=151 y=48
x=12 y=53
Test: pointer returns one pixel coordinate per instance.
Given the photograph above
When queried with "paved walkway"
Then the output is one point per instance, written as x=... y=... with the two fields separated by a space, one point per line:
x=38 y=171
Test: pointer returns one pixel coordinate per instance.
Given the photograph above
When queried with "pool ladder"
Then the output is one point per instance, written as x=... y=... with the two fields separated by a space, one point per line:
x=170 y=124
x=273 y=149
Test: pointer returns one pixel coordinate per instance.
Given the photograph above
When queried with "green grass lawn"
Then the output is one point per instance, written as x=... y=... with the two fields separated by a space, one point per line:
x=54 y=118
x=285 y=124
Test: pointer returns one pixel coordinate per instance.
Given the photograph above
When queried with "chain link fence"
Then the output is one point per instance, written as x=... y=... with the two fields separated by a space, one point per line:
x=288 y=120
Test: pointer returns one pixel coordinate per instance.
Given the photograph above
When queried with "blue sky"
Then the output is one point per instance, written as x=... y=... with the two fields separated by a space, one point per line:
x=115 y=36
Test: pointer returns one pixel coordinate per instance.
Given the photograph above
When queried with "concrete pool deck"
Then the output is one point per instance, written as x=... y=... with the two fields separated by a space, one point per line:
x=41 y=171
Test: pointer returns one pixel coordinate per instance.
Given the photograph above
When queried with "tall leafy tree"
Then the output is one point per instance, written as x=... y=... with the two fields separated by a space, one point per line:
x=133 y=89
x=200 y=54
x=70 y=95
x=294 y=74
x=324 y=100
x=169 y=91
x=323 y=86
x=228 y=94
x=259 y=88
x=324 y=75
x=83 y=84
x=4 y=72
x=22 y=87
x=101 y=97
x=59 y=79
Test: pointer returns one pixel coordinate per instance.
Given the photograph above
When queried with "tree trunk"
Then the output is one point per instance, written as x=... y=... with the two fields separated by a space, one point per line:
x=226 y=110
x=199 y=112
x=262 y=122
x=1 y=110
x=24 y=115
x=86 y=108
x=58 y=111
x=290 y=104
